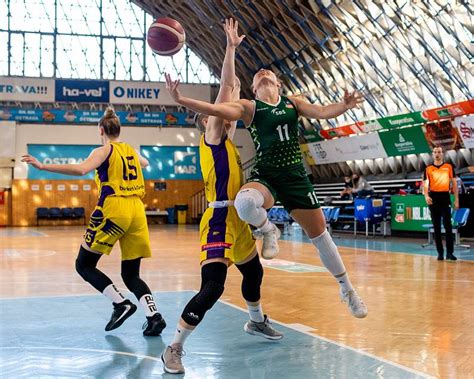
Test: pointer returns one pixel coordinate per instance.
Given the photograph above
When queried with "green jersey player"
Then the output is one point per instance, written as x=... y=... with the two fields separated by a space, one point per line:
x=279 y=173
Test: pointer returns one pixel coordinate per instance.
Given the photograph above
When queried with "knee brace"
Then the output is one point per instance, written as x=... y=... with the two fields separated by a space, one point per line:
x=212 y=287
x=249 y=206
x=252 y=273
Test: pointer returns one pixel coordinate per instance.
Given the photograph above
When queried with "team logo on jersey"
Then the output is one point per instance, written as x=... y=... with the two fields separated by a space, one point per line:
x=278 y=112
x=96 y=219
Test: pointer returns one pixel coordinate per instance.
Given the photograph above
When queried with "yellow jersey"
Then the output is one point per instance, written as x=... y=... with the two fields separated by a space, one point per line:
x=221 y=170
x=120 y=174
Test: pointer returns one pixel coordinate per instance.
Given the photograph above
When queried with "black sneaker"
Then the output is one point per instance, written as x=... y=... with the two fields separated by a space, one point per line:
x=121 y=312
x=451 y=257
x=440 y=258
x=154 y=325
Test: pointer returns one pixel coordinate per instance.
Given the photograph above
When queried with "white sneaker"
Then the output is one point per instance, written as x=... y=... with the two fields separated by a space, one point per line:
x=355 y=303
x=270 y=248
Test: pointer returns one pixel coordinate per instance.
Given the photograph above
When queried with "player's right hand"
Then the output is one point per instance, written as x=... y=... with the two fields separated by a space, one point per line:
x=231 y=31
x=27 y=158
x=172 y=87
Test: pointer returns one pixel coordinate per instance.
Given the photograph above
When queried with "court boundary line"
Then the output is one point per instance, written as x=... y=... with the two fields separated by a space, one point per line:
x=82 y=349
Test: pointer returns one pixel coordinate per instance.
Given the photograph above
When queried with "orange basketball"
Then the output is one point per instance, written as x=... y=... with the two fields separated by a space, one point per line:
x=166 y=36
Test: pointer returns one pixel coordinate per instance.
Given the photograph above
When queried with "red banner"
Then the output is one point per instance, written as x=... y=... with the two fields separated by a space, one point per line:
x=456 y=109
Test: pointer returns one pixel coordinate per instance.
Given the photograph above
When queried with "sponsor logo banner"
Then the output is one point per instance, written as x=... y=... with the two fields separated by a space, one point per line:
x=153 y=93
x=57 y=116
x=347 y=149
x=404 y=141
x=172 y=162
x=58 y=154
x=457 y=109
x=26 y=89
x=85 y=91
x=465 y=126
x=410 y=212
x=402 y=120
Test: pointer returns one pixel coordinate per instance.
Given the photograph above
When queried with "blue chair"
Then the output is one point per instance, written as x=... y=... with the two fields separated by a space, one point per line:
x=459 y=218
x=79 y=212
x=41 y=213
x=54 y=213
x=66 y=212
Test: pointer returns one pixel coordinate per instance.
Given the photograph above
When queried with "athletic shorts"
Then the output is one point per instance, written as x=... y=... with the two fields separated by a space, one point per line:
x=291 y=187
x=224 y=235
x=120 y=219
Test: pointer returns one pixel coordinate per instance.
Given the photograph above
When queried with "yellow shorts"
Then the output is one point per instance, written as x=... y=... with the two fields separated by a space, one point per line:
x=123 y=219
x=224 y=235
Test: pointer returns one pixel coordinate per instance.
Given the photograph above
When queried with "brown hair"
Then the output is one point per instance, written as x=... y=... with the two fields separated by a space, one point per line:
x=110 y=122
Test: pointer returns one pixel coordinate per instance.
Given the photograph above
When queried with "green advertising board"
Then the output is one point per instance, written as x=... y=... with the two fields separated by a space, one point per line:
x=404 y=141
x=410 y=212
x=400 y=120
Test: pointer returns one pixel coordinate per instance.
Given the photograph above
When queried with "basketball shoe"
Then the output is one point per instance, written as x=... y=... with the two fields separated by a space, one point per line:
x=121 y=312
x=154 y=325
x=263 y=329
x=270 y=248
x=171 y=359
x=355 y=303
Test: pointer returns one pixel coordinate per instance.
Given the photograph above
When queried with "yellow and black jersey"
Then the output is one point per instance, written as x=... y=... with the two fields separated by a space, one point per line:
x=120 y=174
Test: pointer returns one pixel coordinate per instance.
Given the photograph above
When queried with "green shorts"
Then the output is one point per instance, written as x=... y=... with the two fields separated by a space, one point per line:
x=291 y=187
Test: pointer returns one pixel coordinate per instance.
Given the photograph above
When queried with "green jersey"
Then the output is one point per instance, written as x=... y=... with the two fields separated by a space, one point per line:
x=274 y=130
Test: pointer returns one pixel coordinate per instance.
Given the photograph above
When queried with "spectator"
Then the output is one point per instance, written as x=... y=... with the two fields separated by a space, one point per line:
x=361 y=187
x=346 y=193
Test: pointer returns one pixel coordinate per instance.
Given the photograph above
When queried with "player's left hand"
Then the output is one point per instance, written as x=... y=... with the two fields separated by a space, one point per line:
x=27 y=158
x=172 y=87
x=352 y=99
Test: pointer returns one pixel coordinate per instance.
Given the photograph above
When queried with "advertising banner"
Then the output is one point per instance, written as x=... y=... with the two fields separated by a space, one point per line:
x=172 y=162
x=404 y=141
x=397 y=121
x=347 y=148
x=26 y=89
x=153 y=93
x=465 y=126
x=457 y=109
x=410 y=212
x=57 y=116
x=444 y=134
x=58 y=154
x=82 y=91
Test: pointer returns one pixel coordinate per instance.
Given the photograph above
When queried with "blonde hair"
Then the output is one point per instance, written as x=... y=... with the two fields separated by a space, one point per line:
x=110 y=122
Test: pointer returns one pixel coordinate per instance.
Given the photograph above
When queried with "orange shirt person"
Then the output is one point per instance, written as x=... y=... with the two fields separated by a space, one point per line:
x=439 y=182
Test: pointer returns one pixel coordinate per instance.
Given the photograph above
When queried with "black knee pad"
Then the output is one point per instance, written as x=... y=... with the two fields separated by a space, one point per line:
x=252 y=272
x=86 y=261
x=212 y=287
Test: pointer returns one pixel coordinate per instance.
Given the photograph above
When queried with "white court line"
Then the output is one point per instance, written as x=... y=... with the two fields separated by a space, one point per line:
x=305 y=330
x=80 y=349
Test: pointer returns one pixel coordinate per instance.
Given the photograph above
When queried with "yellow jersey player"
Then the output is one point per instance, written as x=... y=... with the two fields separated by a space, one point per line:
x=225 y=238
x=118 y=216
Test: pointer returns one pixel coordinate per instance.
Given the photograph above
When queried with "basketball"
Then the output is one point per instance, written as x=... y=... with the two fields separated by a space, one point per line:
x=166 y=36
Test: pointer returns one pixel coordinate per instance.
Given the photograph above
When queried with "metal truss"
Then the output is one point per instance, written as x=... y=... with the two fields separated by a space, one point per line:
x=87 y=39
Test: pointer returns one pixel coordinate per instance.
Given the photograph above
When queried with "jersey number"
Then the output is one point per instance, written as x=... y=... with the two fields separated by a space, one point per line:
x=283 y=129
x=129 y=170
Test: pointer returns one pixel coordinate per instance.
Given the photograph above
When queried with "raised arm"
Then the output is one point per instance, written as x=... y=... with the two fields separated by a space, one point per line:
x=306 y=109
x=233 y=40
x=232 y=111
x=94 y=160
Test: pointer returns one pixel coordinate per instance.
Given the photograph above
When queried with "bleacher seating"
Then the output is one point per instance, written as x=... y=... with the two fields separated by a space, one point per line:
x=279 y=216
x=55 y=213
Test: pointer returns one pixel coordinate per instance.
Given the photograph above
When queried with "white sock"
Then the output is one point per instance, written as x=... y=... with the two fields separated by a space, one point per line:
x=181 y=335
x=255 y=312
x=148 y=304
x=112 y=293
x=332 y=260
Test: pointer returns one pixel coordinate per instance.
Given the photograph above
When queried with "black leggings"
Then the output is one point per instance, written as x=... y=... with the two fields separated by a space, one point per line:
x=86 y=266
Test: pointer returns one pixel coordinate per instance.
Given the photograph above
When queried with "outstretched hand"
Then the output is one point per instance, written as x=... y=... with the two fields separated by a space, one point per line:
x=231 y=31
x=27 y=158
x=352 y=99
x=172 y=87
